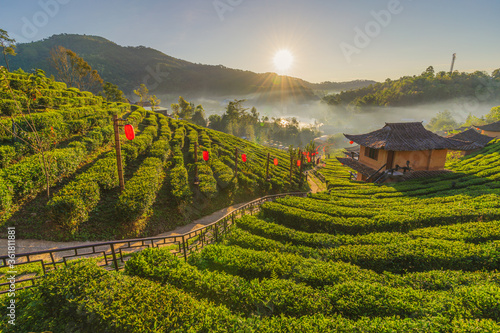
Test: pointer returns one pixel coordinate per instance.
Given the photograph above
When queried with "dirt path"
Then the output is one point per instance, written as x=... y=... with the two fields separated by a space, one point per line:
x=315 y=184
x=33 y=245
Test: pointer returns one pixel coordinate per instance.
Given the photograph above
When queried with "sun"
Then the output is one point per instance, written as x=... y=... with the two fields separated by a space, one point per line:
x=283 y=60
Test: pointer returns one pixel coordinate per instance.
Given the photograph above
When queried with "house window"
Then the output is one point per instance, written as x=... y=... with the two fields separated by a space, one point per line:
x=371 y=153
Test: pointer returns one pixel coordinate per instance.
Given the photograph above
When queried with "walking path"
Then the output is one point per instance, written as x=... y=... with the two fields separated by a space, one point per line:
x=33 y=245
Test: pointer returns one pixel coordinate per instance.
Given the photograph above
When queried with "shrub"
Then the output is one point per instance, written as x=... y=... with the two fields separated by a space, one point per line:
x=7 y=154
x=72 y=204
x=9 y=107
x=140 y=191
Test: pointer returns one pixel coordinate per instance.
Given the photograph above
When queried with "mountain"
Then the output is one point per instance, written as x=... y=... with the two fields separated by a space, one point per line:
x=128 y=66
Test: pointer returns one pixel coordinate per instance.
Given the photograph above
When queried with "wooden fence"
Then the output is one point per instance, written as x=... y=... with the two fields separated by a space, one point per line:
x=113 y=255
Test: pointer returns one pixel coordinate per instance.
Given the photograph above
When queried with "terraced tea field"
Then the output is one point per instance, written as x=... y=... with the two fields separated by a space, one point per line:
x=419 y=256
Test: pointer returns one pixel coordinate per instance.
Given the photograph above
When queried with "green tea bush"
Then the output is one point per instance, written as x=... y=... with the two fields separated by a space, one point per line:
x=140 y=191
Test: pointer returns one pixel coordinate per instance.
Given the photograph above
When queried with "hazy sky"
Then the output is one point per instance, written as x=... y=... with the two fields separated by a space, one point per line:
x=330 y=40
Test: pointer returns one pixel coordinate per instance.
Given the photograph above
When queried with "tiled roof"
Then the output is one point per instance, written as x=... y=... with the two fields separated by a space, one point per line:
x=472 y=136
x=359 y=167
x=494 y=127
x=407 y=137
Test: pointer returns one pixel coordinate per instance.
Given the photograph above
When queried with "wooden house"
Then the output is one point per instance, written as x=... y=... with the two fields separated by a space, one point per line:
x=472 y=136
x=398 y=148
x=491 y=130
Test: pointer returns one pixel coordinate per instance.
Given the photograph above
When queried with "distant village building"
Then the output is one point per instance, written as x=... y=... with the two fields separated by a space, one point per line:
x=472 y=136
x=491 y=130
x=398 y=148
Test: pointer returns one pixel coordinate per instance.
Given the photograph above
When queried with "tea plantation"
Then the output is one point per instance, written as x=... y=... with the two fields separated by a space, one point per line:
x=85 y=203
x=419 y=256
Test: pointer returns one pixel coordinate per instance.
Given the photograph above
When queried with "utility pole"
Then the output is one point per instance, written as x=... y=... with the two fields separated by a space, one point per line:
x=118 y=152
x=301 y=163
x=196 y=180
x=291 y=167
x=267 y=167
x=236 y=163
x=453 y=62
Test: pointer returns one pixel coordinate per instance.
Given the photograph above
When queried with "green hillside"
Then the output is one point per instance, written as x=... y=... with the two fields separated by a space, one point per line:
x=419 y=256
x=429 y=87
x=85 y=202
x=129 y=66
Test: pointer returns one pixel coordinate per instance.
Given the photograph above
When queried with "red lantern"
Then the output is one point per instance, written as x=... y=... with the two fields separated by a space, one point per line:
x=276 y=161
x=351 y=142
x=308 y=159
x=205 y=156
x=298 y=163
x=244 y=157
x=129 y=132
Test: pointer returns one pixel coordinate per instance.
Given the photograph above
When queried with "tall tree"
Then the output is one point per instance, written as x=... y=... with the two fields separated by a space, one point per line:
x=154 y=102
x=199 y=116
x=74 y=71
x=143 y=93
x=8 y=46
x=186 y=109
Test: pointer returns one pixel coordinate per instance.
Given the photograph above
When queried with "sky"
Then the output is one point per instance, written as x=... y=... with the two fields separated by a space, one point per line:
x=330 y=40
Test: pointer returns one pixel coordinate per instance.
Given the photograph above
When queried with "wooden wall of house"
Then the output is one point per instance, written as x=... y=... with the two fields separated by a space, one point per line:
x=374 y=164
x=422 y=160
x=491 y=134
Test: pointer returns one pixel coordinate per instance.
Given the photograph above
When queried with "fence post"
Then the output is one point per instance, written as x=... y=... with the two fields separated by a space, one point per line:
x=184 y=248
x=114 y=256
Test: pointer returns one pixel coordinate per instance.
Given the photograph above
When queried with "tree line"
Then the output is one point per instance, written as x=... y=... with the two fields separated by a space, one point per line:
x=424 y=88
x=247 y=123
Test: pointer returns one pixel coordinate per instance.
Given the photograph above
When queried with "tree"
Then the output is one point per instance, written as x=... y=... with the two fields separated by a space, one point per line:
x=215 y=122
x=429 y=72
x=143 y=94
x=112 y=93
x=199 y=116
x=443 y=121
x=8 y=46
x=154 y=102
x=175 y=109
x=496 y=73
x=74 y=71
x=186 y=109
x=493 y=115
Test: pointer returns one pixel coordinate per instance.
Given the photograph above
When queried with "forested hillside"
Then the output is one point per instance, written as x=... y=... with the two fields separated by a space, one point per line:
x=129 y=66
x=428 y=87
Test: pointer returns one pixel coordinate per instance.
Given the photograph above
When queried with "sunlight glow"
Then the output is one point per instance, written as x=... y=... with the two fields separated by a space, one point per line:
x=283 y=60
